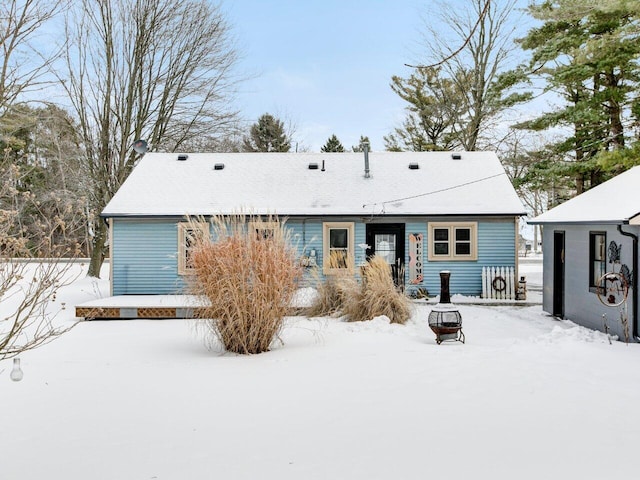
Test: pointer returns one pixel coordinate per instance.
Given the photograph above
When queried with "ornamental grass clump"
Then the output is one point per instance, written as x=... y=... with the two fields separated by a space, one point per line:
x=249 y=274
x=331 y=289
x=331 y=294
x=376 y=295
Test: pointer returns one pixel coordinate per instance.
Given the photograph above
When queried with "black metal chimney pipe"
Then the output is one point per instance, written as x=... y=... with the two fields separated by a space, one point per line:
x=445 y=296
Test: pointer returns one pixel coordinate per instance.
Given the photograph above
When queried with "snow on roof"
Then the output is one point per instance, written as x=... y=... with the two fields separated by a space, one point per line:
x=612 y=202
x=283 y=184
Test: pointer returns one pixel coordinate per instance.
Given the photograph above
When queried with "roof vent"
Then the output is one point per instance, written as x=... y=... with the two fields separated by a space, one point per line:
x=218 y=166
x=456 y=156
x=313 y=166
x=365 y=149
x=183 y=157
x=414 y=166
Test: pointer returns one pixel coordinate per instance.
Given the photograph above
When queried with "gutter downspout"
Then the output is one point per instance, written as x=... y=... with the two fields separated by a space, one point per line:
x=634 y=280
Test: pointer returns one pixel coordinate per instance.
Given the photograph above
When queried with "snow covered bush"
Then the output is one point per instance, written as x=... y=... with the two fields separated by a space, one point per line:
x=249 y=274
x=376 y=295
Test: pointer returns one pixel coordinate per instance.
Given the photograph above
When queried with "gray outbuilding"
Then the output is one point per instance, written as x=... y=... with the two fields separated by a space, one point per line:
x=590 y=247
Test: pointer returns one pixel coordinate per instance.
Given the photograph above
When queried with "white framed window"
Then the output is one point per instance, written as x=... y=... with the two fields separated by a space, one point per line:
x=453 y=241
x=187 y=234
x=597 y=257
x=264 y=230
x=338 y=239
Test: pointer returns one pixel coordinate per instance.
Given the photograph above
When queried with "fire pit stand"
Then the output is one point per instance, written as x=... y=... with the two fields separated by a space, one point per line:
x=445 y=319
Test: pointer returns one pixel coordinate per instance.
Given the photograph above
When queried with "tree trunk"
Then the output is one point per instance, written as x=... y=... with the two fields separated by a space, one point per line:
x=615 y=122
x=159 y=70
x=98 y=252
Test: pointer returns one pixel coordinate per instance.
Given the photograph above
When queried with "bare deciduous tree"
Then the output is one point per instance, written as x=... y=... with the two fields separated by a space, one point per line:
x=27 y=284
x=22 y=65
x=486 y=32
x=158 y=70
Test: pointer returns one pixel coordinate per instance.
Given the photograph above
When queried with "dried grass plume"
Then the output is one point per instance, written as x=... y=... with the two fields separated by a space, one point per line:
x=249 y=274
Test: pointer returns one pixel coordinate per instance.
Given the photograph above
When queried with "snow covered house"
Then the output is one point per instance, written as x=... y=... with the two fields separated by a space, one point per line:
x=593 y=234
x=425 y=212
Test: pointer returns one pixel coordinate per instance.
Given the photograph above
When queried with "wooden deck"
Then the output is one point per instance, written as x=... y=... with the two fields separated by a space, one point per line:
x=127 y=307
x=139 y=307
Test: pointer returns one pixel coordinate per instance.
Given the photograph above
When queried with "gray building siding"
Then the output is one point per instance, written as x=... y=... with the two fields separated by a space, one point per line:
x=581 y=305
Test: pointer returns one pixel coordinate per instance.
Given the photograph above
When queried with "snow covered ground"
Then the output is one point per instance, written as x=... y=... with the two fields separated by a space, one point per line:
x=527 y=397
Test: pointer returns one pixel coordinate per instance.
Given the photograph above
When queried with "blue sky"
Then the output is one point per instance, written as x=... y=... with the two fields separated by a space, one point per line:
x=326 y=65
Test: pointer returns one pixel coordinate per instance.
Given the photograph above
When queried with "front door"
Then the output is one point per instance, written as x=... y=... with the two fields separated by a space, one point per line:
x=387 y=241
x=558 y=274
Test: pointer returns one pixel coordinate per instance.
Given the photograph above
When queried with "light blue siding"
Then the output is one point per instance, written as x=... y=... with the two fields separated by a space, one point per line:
x=145 y=257
x=361 y=238
x=307 y=236
x=145 y=253
x=496 y=247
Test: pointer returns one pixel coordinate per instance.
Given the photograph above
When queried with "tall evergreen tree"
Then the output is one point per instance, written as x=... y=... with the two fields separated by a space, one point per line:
x=332 y=145
x=435 y=104
x=267 y=135
x=588 y=51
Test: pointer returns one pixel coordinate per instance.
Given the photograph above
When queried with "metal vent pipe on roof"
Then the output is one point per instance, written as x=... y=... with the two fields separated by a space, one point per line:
x=365 y=148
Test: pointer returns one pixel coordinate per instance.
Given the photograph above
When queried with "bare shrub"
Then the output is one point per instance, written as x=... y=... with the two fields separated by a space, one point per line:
x=331 y=289
x=32 y=269
x=376 y=295
x=331 y=296
x=248 y=274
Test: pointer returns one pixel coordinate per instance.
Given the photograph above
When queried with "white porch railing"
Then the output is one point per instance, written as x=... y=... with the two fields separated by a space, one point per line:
x=499 y=283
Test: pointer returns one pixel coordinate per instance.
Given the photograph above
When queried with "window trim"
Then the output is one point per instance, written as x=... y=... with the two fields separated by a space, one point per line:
x=258 y=227
x=452 y=227
x=592 y=234
x=183 y=228
x=326 y=229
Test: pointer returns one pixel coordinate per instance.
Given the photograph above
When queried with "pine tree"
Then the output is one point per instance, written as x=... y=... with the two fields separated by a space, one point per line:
x=267 y=135
x=434 y=107
x=587 y=51
x=360 y=147
x=332 y=145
